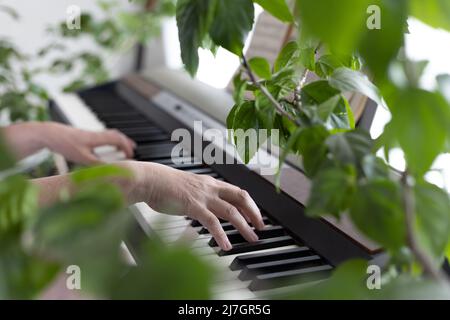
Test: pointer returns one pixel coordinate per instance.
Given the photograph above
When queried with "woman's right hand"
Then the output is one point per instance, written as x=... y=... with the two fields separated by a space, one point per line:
x=202 y=198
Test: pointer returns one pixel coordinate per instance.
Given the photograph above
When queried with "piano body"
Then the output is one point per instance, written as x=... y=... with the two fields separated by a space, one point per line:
x=293 y=251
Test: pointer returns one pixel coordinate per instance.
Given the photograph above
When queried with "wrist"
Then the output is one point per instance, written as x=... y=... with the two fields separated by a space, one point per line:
x=40 y=134
x=136 y=188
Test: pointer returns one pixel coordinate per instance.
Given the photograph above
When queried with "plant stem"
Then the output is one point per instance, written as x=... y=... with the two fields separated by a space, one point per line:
x=420 y=255
x=266 y=92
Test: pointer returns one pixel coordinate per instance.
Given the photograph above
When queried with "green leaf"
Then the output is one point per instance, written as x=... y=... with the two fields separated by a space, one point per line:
x=18 y=202
x=337 y=23
x=260 y=67
x=332 y=191
x=350 y=147
x=278 y=8
x=308 y=58
x=351 y=275
x=406 y=287
x=378 y=47
x=159 y=276
x=377 y=210
x=287 y=55
x=239 y=86
x=327 y=63
x=193 y=20
x=348 y=80
x=232 y=22
x=6 y=160
x=313 y=149
x=436 y=13
x=99 y=174
x=317 y=92
x=336 y=113
x=246 y=139
x=22 y=275
x=433 y=219
x=420 y=122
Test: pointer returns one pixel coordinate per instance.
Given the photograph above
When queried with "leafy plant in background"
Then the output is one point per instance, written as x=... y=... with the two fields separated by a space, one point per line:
x=118 y=31
x=401 y=211
x=86 y=228
x=21 y=97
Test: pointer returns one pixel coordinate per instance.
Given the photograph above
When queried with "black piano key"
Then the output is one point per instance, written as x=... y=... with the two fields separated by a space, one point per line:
x=225 y=226
x=128 y=123
x=252 y=270
x=140 y=131
x=119 y=116
x=148 y=139
x=240 y=261
x=228 y=226
x=154 y=151
x=258 y=245
x=235 y=237
x=290 y=277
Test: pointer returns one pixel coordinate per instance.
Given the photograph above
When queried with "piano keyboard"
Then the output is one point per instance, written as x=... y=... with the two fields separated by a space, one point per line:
x=277 y=263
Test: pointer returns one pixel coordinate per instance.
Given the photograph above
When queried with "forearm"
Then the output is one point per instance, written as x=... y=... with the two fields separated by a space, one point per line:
x=50 y=188
x=25 y=139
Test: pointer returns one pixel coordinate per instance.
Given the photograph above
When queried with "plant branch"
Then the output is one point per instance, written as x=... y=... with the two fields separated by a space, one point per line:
x=266 y=92
x=420 y=255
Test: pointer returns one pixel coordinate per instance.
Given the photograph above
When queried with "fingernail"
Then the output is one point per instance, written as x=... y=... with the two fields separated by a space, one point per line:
x=255 y=237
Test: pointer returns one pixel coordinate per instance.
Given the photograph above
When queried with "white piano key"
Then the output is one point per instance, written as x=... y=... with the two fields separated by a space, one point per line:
x=77 y=113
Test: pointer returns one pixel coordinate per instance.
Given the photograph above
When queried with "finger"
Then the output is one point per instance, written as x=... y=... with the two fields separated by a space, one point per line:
x=230 y=213
x=210 y=222
x=115 y=138
x=89 y=158
x=242 y=200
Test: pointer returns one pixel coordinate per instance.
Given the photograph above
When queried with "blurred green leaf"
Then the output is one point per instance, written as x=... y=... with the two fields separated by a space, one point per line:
x=377 y=210
x=420 y=121
x=6 y=160
x=379 y=47
x=260 y=67
x=433 y=219
x=436 y=13
x=22 y=276
x=349 y=148
x=313 y=149
x=99 y=174
x=165 y=273
x=278 y=8
x=193 y=20
x=332 y=191
x=339 y=24
x=350 y=275
x=232 y=21
x=18 y=201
